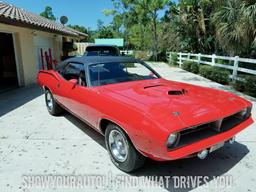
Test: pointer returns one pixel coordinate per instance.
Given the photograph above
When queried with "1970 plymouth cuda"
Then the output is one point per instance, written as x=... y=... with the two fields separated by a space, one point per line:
x=141 y=114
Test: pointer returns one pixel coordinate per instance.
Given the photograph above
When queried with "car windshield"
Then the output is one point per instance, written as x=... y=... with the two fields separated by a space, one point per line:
x=109 y=73
x=101 y=51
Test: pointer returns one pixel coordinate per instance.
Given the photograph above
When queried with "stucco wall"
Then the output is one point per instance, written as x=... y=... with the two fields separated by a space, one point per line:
x=27 y=43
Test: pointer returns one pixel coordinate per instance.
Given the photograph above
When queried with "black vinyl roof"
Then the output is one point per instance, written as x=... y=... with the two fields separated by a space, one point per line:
x=88 y=60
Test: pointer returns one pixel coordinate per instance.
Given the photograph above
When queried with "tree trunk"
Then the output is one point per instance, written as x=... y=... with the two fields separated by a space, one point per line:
x=141 y=37
x=155 y=37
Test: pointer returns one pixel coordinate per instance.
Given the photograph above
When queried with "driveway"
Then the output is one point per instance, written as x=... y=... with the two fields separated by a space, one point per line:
x=34 y=143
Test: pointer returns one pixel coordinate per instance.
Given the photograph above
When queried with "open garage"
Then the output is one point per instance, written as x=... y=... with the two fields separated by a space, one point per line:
x=27 y=42
x=8 y=70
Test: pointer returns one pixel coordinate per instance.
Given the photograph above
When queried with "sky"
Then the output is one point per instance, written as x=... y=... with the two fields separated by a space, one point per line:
x=80 y=12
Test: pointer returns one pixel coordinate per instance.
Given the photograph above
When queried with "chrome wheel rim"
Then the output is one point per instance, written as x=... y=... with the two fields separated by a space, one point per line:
x=49 y=101
x=118 y=146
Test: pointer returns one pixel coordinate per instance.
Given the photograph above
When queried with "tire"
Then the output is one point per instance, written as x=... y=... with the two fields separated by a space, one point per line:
x=51 y=105
x=129 y=161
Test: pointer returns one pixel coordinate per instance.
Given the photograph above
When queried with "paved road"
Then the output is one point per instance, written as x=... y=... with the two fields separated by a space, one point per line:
x=34 y=143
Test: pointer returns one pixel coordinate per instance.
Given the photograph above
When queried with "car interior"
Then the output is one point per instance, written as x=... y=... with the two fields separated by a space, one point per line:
x=109 y=73
x=75 y=71
x=101 y=51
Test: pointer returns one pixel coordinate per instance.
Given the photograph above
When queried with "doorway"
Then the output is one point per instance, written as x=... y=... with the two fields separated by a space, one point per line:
x=8 y=70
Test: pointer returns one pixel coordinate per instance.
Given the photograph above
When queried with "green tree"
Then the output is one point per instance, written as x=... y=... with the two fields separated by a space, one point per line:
x=139 y=15
x=190 y=21
x=100 y=24
x=78 y=28
x=81 y=29
x=235 y=22
x=105 y=32
x=48 y=13
x=151 y=8
x=122 y=19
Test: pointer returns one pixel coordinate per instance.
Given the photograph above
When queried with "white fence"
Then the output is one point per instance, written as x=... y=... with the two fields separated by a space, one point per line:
x=213 y=61
x=126 y=52
x=81 y=48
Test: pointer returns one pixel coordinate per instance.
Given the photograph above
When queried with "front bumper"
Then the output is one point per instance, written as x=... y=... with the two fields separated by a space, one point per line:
x=190 y=149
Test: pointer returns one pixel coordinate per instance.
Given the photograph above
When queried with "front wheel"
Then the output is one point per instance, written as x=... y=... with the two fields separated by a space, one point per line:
x=52 y=106
x=122 y=152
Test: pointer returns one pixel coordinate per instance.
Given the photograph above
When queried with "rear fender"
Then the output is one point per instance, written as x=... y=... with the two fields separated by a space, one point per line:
x=49 y=79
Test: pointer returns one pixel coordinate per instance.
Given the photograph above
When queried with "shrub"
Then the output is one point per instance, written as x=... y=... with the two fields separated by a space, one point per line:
x=187 y=65
x=215 y=74
x=250 y=85
x=205 y=71
x=143 y=55
x=247 y=85
x=239 y=85
x=194 y=68
x=161 y=56
x=174 y=59
x=220 y=75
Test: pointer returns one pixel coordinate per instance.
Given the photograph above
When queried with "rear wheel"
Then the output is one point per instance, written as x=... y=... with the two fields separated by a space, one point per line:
x=52 y=106
x=122 y=152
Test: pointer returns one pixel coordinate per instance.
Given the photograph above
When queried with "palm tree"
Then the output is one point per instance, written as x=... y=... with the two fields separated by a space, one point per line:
x=235 y=25
x=190 y=18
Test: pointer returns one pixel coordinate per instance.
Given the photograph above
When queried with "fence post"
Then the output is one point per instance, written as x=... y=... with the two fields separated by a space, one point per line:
x=188 y=56
x=235 y=68
x=180 y=59
x=199 y=58
x=167 y=56
x=213 y=59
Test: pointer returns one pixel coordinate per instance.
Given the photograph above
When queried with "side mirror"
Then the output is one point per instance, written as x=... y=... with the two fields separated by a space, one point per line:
x=73 y=82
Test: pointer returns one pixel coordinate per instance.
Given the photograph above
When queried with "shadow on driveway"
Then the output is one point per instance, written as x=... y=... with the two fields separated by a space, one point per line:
x=216 y=164
x=96 y=136
x=15 y=98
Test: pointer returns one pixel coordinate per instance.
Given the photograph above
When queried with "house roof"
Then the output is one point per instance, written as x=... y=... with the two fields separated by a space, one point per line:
x=13 y=15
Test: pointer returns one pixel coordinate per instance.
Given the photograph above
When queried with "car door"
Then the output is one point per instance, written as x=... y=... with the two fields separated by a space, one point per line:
x=70 y=94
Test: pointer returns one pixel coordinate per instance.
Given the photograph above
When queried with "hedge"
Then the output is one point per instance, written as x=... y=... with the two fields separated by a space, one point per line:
x=247 y=85
x=194 y=68
x=220 y=75
x=174 y=59
x=216 y=74
x=187 y=65
x=190 y=66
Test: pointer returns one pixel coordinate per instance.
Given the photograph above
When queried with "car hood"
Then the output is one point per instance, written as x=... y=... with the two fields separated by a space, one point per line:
x=165 y=100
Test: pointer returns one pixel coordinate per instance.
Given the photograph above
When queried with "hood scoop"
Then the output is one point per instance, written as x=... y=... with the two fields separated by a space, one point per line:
x=177 y=92
x=151 y=86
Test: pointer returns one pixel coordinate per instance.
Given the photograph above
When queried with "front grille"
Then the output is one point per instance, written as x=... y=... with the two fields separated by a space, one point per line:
x=197 y=133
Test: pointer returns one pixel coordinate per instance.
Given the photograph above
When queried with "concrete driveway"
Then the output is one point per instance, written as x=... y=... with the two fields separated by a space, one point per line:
x=34 y=143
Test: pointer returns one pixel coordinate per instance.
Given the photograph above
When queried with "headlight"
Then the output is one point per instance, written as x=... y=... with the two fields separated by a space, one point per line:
x=243 y=112
x=248 y=111
x=172 y=139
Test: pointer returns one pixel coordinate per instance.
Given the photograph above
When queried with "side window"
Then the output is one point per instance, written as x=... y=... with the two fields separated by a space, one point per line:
x=72 y=71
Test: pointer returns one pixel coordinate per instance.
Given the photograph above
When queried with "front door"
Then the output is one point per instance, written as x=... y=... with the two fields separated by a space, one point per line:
x=72 y=90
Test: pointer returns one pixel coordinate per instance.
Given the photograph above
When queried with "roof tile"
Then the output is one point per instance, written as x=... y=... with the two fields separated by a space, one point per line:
x=14 y=14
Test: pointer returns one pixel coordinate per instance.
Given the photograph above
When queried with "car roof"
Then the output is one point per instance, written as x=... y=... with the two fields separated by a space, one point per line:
x=88 y=60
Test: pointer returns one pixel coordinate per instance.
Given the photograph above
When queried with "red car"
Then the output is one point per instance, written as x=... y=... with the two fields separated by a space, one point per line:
x=141 y=114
